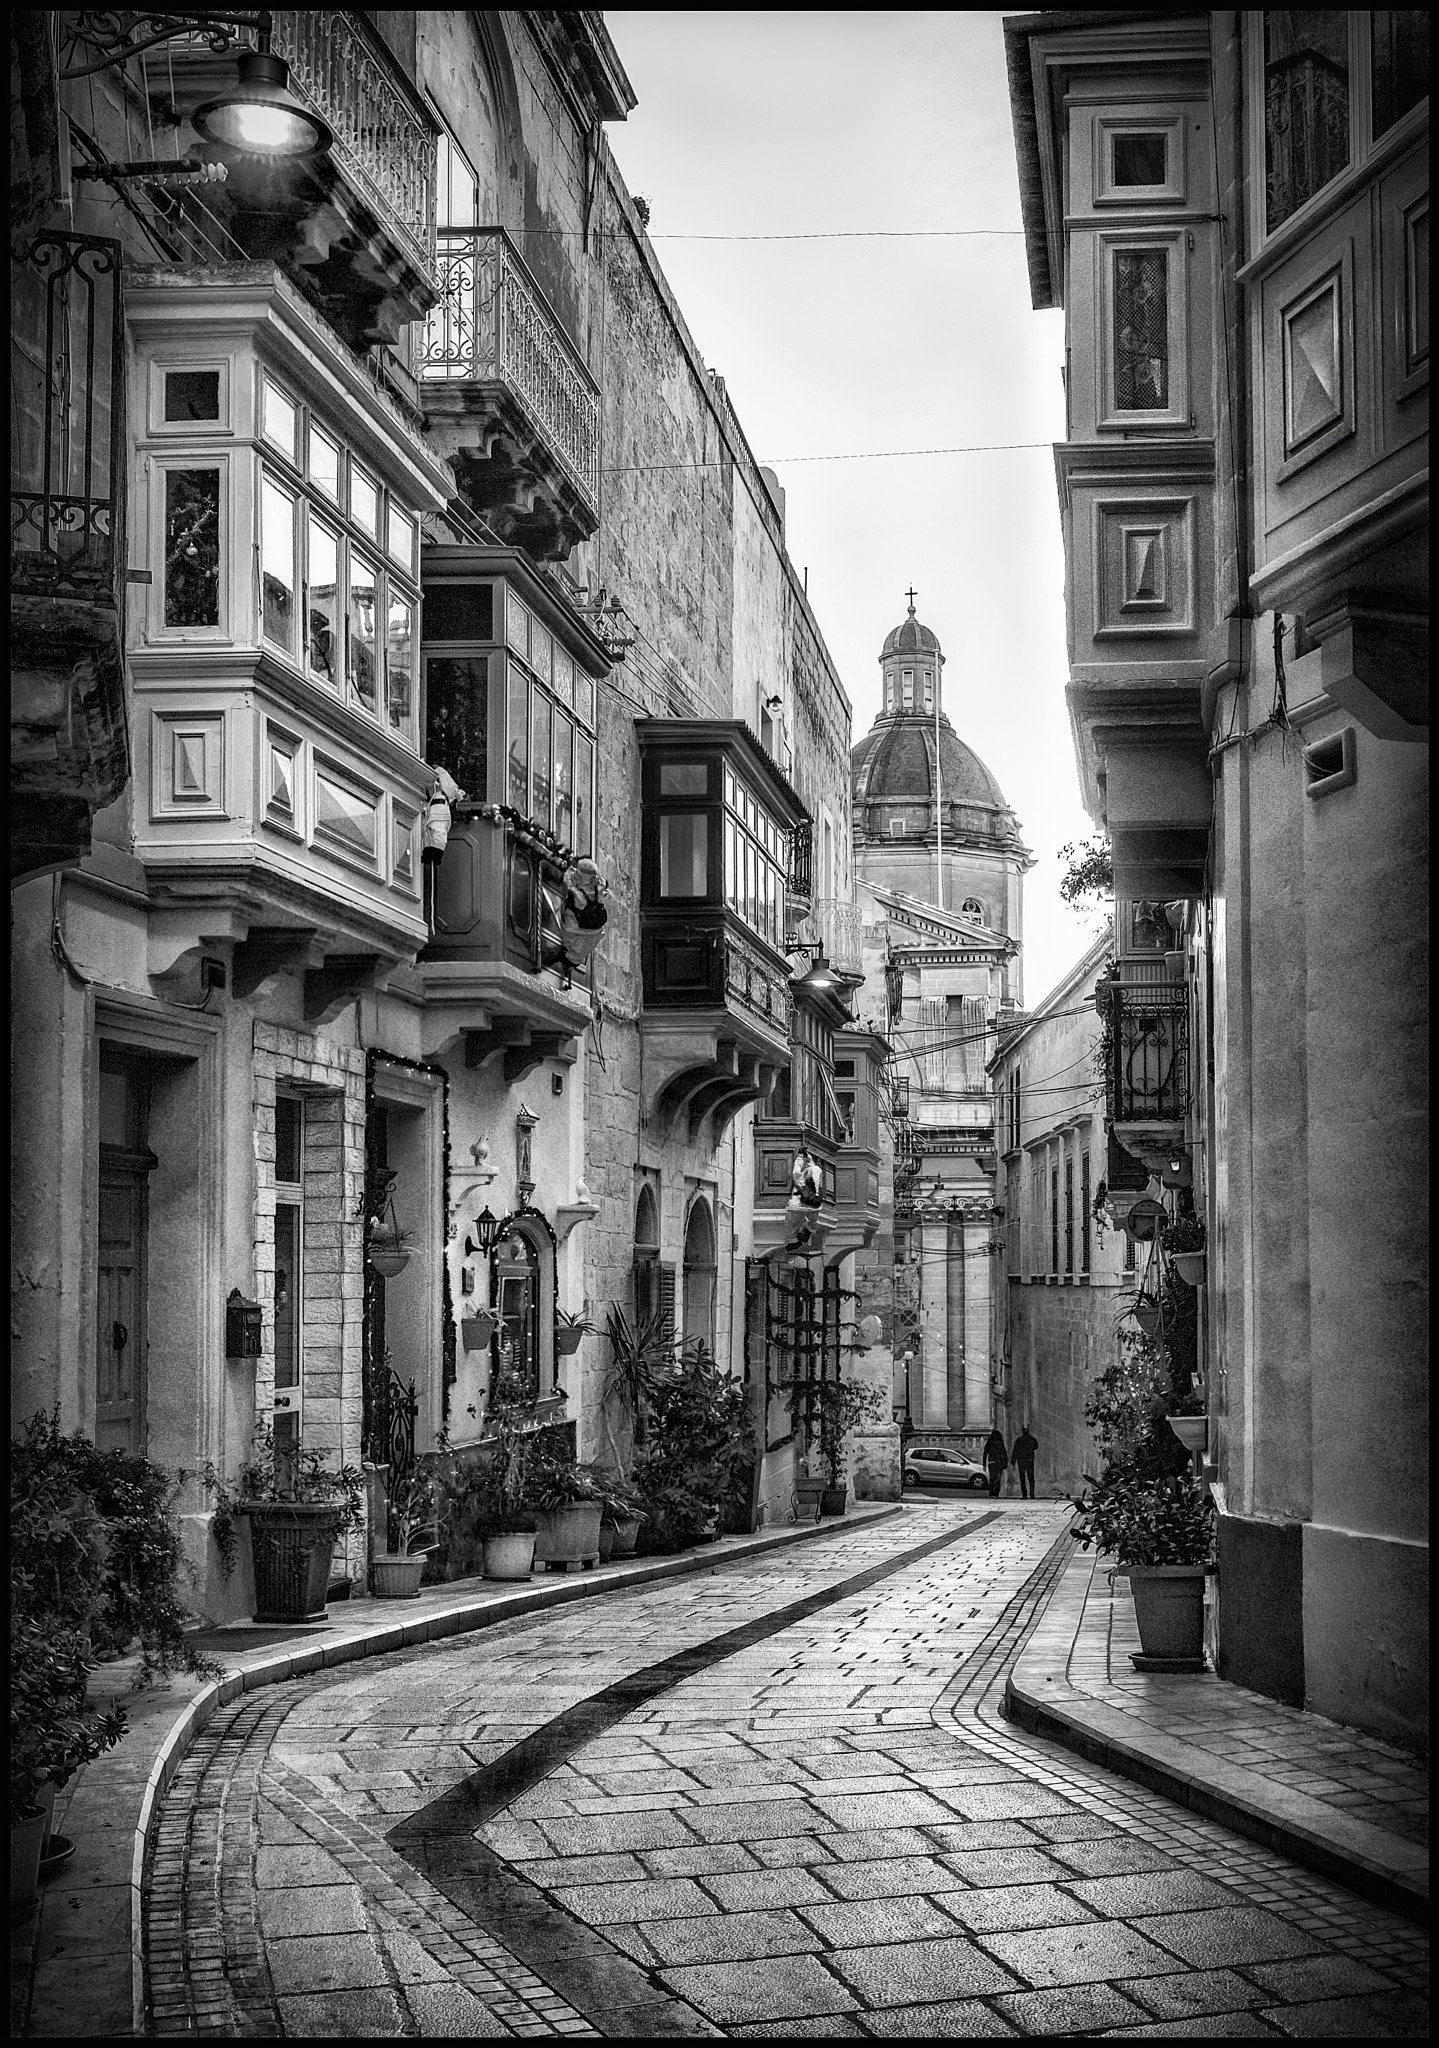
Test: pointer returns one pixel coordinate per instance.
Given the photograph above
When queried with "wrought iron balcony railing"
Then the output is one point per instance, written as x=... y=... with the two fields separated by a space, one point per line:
x=494 y=325
x=833 y=925
x=381 y=142
x=1147 y=1046
x=67 y=417
x=800 y=881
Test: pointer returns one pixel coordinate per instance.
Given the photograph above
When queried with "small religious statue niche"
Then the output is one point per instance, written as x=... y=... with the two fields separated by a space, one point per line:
x=525 y=1122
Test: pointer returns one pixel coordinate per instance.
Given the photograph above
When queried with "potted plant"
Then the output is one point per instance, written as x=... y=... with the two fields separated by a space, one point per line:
x=831 y=1409
x=52 y=1733
x=488 y=1490
x=389 y=1251
x=1183 y=1240
x=297 y=1506
x=570 y=1332
x=698 y=1439
x=477 y=1328
x=568 y=1502
x=396 y=1574
x=1146 y=1509
x=623 y=1511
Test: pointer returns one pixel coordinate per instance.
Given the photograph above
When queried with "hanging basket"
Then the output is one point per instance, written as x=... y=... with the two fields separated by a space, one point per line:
x=388 y=1261
x=476 y=1331
x=1192 y=1430
x=1190 y=1267
x=568 y=1339
x=1149 y=1316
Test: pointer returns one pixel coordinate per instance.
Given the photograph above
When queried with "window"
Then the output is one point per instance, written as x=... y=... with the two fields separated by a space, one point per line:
x=972 y=907
x=907 y=689
x=329 y=600
x=646 y=1257
x=1069 y=1215
x=754 y=854
x=684 y=851
x=1306 y=105
x=1054 y=1220
x=457 y=192
x=192 y=395
x=700 y=1268
x=1140 y=160
x=929 y=689
x=192 y=547
x=1141 y=330
x=1399 y=65
x=1085 y=1205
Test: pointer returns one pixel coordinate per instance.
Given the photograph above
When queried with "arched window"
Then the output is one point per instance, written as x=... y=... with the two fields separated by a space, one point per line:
x=972 y=907
x=699 y=1276
x=907 y=689
x=647 y=1257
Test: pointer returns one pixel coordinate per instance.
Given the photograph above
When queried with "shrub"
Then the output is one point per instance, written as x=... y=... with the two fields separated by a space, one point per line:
x=51 y=1732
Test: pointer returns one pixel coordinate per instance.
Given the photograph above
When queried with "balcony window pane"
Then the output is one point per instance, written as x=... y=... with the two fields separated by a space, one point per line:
x=400 y=538
x=584 y=699
x=192 y=547
x=1141 y=330
x=563 y=784
x=360 y=636
x=192 y=394
x=460 y=611
x=539 y=650
x=458 y=195
x=540 y=763
x=1306 y=105
x=364 y=501
x=730 y=884
x=323 y=596
x=281 y=421
x=684 y=778
x=729 y=788
x=583 y=841
x=324 y=464
x=564 y=676
x=457 y=719
x=518 y=742
x=1401 y=64
x=684 y=854
x=1139 y=160
x=517 y=625
x=400 y=661
x=749 y=859
x=277 y=565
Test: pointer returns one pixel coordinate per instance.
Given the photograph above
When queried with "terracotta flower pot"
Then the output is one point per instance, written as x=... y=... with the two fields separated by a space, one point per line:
x=509 y=1556
x=1169 y=1609
x=396 y=1578
x=627 y=1535
x=569 y=1535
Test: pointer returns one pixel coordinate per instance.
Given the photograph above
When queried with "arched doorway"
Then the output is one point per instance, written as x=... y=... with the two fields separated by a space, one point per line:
x=700 y=1272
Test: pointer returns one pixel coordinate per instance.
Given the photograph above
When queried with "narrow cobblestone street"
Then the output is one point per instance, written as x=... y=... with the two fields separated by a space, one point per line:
x=775 y=1799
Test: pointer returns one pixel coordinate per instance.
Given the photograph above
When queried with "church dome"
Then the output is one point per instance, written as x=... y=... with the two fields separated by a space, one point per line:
x=895 y=762
x=911 y=638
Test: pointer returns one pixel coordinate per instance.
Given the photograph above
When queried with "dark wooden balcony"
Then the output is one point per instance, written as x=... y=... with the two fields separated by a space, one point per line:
x=69 y=735
x=508 y=398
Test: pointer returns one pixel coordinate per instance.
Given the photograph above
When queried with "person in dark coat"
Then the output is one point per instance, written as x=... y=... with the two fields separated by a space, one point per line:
x=1025 y=1447
x=996 y=1459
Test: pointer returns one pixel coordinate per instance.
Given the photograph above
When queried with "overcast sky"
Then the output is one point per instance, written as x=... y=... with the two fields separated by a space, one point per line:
x=810 y=123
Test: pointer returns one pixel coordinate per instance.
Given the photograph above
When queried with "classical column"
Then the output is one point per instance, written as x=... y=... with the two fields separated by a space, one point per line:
x=956 y=1345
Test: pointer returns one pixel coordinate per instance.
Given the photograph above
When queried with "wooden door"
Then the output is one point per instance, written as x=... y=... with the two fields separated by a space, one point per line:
x=120 y=1309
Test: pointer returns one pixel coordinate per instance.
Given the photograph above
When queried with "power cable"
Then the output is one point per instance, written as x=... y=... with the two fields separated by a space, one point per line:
x=853 y=455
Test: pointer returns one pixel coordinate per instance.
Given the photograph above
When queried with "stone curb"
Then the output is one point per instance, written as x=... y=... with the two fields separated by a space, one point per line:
x=385 y=1637
x=1379 y=1866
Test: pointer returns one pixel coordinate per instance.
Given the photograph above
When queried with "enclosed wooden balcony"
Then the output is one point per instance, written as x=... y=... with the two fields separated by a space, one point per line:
x=508 y=398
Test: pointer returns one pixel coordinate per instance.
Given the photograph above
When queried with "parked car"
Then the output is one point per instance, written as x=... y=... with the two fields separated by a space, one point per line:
x=930 y=1467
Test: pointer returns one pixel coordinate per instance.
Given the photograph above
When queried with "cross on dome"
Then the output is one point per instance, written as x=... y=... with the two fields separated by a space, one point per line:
x=910 y=595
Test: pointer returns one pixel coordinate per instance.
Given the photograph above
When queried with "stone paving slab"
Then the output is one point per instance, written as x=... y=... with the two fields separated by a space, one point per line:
x=1337 y=1801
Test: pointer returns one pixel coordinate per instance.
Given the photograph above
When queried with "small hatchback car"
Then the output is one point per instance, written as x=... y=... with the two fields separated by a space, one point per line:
x=944 y=1468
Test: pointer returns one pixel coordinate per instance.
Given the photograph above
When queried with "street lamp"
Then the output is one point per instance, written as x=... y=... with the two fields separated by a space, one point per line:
x=260 y=116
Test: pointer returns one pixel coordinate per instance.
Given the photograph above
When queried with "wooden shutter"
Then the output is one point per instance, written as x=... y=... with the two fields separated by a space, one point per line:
x=665 y=1295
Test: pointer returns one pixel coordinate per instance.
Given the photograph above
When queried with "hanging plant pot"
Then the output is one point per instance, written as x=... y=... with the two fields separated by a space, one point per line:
x=1192 y=1430
x=1190 y=1267
x=1149 y=1316
x=476 y=1331
x=388 y=1261
x=568 y=1339
x=396 y=1578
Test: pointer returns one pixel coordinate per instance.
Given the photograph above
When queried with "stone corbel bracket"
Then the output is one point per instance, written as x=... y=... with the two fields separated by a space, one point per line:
x=568 y=1214
x=699 y=1074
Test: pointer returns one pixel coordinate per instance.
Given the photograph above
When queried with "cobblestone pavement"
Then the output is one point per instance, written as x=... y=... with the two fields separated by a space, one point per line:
x=777 y=1799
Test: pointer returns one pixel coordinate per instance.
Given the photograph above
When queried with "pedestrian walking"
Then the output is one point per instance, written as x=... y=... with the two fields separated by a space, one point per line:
x=1025 y=1447
x=996 y=1459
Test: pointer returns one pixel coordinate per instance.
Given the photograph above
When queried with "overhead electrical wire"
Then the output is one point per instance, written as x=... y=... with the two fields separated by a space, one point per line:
x=851 y=455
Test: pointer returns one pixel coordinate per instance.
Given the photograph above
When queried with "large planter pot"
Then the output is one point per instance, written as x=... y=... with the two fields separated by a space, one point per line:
x=509 y=1556
x=569 y=1535
x=292 y=1542
x=607 y=1541
x=27 y=1838
x=626 y=1535
x=396 y=1578
x=1169 y=1611
x=834 y=1500
x=1192 y=1430
x=1190 y=1267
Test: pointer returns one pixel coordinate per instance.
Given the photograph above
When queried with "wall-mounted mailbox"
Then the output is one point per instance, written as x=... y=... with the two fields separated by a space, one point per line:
x=244 y=1326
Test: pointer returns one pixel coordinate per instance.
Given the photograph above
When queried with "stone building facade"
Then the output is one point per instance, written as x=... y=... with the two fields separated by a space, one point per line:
x=1233 y=212
x=939 y=868
x=426 y=560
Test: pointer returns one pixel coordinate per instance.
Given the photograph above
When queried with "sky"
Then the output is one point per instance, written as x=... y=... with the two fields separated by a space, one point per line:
x=829 y=124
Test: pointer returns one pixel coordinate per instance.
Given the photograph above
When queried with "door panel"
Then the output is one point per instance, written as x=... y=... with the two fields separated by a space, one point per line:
x=119 y=1306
